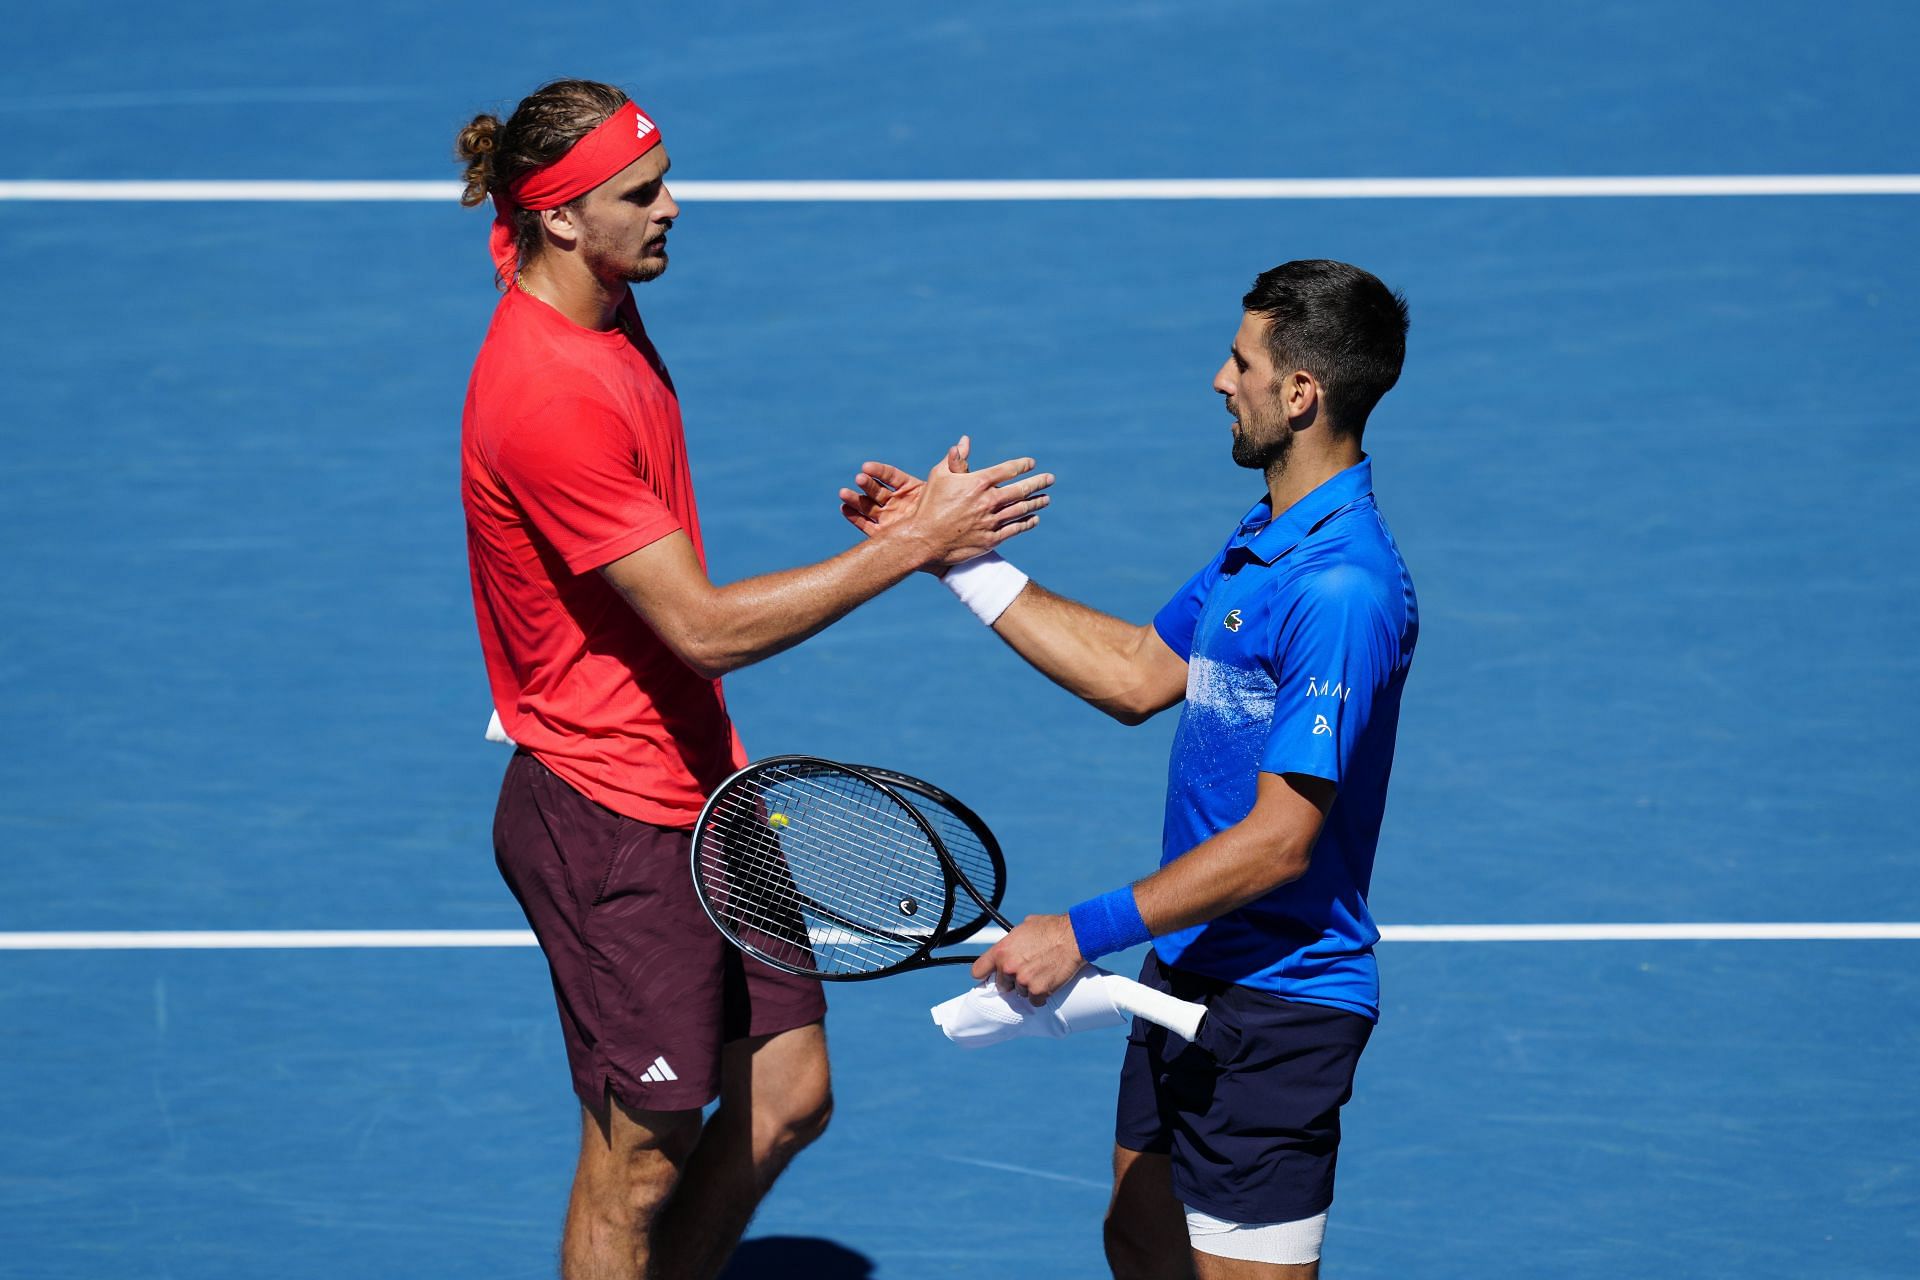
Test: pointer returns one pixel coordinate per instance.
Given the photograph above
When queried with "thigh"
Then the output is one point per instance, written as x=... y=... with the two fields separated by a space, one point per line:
x=639 y=971
x=1144 y=1115
x=547 y=840
x=660 y=973
x=1146 y=1225
x=763 y=1001
x=779 y=1076
x=1208 y=1267
x=1256 y=1118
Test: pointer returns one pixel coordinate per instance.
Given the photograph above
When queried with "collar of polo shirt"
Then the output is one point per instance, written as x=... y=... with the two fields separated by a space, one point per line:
x=1267 y=537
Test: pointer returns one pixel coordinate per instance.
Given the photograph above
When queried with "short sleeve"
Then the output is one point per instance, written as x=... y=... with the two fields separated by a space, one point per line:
x=1179 y=616
x=1335 y=652
x=574 y=469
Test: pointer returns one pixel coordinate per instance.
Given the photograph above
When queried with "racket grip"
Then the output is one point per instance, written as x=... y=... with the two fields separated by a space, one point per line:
x=1182 y=1017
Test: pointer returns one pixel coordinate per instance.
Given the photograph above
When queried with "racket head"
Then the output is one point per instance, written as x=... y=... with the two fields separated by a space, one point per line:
x=821 y=870
x=971 y=846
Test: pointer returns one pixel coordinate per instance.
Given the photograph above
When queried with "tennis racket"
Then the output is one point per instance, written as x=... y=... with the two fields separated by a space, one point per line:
x=844 y=873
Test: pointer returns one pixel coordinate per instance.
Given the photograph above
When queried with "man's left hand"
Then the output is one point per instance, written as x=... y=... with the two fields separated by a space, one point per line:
x=1038 y=957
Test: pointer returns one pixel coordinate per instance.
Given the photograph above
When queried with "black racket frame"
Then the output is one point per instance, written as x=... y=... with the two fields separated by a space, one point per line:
x=890 y=783
x=968 y=819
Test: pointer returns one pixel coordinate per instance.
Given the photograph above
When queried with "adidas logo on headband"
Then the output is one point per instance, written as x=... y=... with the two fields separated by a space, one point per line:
x=641 y=125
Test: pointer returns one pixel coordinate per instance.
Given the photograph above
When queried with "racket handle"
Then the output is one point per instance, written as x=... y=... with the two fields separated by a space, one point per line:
x=1182 y=1017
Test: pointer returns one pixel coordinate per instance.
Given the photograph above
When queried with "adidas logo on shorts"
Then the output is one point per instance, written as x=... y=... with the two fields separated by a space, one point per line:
x=659 y=1072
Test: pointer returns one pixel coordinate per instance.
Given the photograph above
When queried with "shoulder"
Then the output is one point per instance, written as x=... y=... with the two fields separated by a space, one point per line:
x=544 y=389
x=1349 y=584
x=527 y=361
x=1327 y=576
x=1353 y=555
x=562 y=426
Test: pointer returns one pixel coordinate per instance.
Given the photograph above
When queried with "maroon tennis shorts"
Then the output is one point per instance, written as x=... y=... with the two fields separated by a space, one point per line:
x=648 y=989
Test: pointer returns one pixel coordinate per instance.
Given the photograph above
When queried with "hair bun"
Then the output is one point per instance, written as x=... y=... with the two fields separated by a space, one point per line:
x=475 y=147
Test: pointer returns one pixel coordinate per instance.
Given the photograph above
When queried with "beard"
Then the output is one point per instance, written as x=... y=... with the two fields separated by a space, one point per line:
x=1260 y=445
x=613 y=261
x=649 y=268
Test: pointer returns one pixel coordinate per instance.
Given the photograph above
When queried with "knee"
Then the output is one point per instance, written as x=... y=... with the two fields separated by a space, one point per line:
x=783 y=1090
x=627 y=1175
x=801 y=1117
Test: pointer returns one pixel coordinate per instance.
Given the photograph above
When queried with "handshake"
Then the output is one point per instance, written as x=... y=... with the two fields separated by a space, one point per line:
x=955 y=514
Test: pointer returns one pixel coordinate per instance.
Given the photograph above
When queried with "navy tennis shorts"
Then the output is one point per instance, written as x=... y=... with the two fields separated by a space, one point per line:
x=648 y=990
x=1251 y=1113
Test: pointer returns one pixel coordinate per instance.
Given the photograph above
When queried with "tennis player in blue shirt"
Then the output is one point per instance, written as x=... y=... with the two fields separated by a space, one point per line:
x=1290 y=648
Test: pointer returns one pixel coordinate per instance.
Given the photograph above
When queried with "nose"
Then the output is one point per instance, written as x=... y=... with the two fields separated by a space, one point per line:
x=1223 y=378
x=668 y=209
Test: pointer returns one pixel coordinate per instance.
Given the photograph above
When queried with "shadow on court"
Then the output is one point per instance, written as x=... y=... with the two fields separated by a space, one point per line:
x=797 y=1258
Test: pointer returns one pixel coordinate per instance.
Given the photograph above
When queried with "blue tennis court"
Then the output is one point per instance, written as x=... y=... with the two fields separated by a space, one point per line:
x=1652 y=465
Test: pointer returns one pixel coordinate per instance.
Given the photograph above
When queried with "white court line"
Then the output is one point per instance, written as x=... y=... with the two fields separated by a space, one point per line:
x=1002 y=1167
x=1793 y=932
x=312 y=939
x=882 y=191
x=264 y=939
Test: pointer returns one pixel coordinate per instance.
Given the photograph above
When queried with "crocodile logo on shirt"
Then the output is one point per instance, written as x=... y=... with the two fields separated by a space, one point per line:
x=1233 y=620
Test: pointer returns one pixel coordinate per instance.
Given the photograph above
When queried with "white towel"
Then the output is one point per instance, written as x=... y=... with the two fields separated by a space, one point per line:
x=987 y=1015
x=497 y=732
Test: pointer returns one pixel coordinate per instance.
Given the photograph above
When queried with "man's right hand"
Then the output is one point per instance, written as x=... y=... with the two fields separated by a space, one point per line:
x=955 y=513
x=1125 y=670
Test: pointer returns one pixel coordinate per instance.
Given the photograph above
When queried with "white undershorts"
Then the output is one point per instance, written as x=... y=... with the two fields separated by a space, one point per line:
x=1281 y=1243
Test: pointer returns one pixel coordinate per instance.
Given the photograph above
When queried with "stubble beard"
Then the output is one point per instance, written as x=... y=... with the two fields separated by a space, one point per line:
x=1262 y=445
x=647 y=269
x=612 y=263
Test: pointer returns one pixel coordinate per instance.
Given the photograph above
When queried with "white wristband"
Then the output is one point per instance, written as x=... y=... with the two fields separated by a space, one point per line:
x=986 y=584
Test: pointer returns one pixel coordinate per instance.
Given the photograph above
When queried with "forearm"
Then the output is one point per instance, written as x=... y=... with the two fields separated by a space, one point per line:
x=1230 y=870
x=1219 y=875
x=747 y=621
x=715 y=630
x=1271 y=846
x=1092 y=655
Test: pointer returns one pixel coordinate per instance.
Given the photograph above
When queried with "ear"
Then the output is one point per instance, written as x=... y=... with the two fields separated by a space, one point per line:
x=1300 y=394
x=561 y=226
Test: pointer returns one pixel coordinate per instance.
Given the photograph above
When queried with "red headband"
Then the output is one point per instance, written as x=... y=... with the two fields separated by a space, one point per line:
x=609 y=147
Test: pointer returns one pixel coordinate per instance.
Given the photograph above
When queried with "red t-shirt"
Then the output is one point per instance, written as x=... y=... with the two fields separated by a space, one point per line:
x=572 y=456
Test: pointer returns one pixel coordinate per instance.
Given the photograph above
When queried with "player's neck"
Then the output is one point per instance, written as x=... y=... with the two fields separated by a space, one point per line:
x=563 y=283
x=1314 y=459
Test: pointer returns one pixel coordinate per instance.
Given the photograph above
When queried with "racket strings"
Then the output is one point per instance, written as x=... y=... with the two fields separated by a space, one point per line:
x=820 y=870
x=966 y=842
x=895 y=848
x=975 y=863
x=843 y=919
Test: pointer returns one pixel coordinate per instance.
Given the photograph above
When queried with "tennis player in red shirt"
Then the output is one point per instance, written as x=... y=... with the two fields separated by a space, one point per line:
x=605 y=642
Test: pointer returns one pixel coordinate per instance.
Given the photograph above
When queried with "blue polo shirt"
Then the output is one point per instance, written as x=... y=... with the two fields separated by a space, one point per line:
x=1297 y=638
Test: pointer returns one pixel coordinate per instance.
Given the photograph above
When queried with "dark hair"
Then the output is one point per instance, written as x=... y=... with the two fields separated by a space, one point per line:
x=541 y=129
x=1340 y=324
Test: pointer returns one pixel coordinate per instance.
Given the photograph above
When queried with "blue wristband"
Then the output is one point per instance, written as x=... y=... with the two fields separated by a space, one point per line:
x=1108 y=923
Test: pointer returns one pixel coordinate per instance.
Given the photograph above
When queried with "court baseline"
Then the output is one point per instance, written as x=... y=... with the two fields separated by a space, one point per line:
x=891 y=191
x=375 y=939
